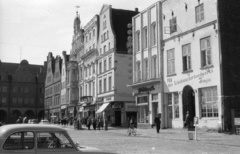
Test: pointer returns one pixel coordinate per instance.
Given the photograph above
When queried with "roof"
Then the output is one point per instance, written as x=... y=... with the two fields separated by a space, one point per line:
x=6 y=129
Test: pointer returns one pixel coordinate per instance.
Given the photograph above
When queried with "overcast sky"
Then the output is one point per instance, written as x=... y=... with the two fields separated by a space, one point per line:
x=30 y=29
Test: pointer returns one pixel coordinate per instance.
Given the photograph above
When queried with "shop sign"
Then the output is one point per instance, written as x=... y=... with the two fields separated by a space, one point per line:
x=108 y=99
x=117 y=105
x=146 y=89
x=130 y=107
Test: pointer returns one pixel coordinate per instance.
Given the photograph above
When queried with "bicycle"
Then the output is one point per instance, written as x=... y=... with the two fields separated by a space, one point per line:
x=132 y=131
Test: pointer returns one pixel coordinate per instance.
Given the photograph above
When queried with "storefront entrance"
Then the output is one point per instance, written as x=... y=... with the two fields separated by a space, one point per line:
x=188 y=99
x=118 y=118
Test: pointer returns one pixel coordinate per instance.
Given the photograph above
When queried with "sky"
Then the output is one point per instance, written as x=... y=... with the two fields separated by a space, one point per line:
x=30 y=29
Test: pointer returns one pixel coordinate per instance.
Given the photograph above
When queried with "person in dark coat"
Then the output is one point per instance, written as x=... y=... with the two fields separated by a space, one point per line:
x=19 y=120
x=105 y=123
x=89 y=121
x=157 y=123
x=94 y=123
x=187 y=121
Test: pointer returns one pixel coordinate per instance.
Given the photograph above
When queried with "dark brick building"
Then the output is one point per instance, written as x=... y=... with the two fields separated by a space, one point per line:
x=22 y=91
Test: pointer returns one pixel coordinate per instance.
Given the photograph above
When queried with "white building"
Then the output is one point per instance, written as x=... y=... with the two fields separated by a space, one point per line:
x=147 y=68
x=191 y=62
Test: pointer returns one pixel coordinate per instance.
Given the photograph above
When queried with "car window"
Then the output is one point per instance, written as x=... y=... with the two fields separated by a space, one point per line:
x=19 y=140
x=53 y=140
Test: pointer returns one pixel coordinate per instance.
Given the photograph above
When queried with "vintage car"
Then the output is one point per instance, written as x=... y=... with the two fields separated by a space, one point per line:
x=44 y=122
x=39 y=139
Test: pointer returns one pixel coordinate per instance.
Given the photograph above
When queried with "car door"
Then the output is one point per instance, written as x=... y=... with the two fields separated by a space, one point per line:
x=54 y=142
x=21 y=142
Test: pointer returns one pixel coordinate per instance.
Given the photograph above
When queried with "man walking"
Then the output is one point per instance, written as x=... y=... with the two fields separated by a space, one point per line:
x=157 y=123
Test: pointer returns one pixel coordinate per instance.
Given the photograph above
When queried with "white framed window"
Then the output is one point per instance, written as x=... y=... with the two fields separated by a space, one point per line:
x=138 y=71
x=154 y=66
x=209 y=101
x=170 y=62
x=137 y=41
x=145 y=69
x=110 y=62
x=109 y=83
x=186 y=57
x=173 y=25
x=199 y=12
x=100 y=86
x=176 y=105
x=105 y=65
x=153 y=34
x=205 y=47
x=104 y=85
x=145 y=37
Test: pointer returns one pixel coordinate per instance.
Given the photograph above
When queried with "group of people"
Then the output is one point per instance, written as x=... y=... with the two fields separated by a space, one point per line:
x=96 y=123
x=22 y=120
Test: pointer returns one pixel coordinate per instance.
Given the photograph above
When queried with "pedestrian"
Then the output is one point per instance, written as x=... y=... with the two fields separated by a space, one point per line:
x=105 y=123
x=25 y=119
x=94 y=123
x=19 y=120
x=88 y=123
x=187 y=121
x=157 y=123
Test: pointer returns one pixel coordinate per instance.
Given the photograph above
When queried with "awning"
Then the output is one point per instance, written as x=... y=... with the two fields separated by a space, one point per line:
x=102 y=108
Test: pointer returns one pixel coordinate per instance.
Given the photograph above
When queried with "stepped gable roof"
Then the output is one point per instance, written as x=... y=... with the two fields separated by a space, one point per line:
x=120 y=20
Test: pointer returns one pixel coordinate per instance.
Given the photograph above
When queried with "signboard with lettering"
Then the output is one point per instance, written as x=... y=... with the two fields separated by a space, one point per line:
x=131 y=107
x=145 y=89
x=108 y=99
x=116 y=105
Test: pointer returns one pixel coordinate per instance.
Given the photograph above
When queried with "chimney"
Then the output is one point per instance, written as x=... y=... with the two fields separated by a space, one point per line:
x=136 y=9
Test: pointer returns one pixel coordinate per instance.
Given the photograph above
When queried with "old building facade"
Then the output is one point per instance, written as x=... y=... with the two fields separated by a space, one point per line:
x=22 y=91
x=147 y=84
x=114 y=66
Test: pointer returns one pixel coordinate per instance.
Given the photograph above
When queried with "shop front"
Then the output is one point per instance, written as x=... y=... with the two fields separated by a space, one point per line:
x=196 y=93
x=148 y=102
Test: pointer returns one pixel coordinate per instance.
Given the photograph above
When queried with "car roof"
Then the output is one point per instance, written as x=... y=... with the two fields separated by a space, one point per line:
x=5 y=130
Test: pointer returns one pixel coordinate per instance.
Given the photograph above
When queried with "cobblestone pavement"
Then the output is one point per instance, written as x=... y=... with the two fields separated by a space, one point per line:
x=209 y=137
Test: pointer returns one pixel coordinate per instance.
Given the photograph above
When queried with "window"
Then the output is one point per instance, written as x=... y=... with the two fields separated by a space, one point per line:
x=145 y=69
x=138 y=71
x=100 y=67
x=4 y=89
x=109 y=46
x=205 y=46
x=4 y=100
x=199 y=12
x=93 y=68
x=176 y=105
x=186 y=51
x=208 y=99
x=19 y=140
x=94 y=33
x=104 y=24
x=105 y=65
x=154 y=32
x=169 y=96
x=110 y=62
x=170 y=62
x=105 y=85
x=109 y=83
x=90 y=35
x=104 y=48
x=173 y=25
x=144 y=37
x=137 y=41
x=154 y=66
x=90 y=89
x=100 y=86
x=93 y=88
x=53 y=140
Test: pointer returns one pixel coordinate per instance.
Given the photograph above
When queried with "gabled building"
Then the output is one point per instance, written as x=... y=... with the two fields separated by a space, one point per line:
x=72 y=95
x=147 y=85
x=64 y=105
x=88 y=69
x=22 y=91
x=114 y=66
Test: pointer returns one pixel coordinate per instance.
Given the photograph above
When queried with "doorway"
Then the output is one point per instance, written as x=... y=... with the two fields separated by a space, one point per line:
x=188 y=99
x=117 y=118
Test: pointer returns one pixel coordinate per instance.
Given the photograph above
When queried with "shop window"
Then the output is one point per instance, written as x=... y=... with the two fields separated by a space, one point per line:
x=143 y=114
x=208 y=99
x=176 y=105
x=138 y=71
x=170 y=62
